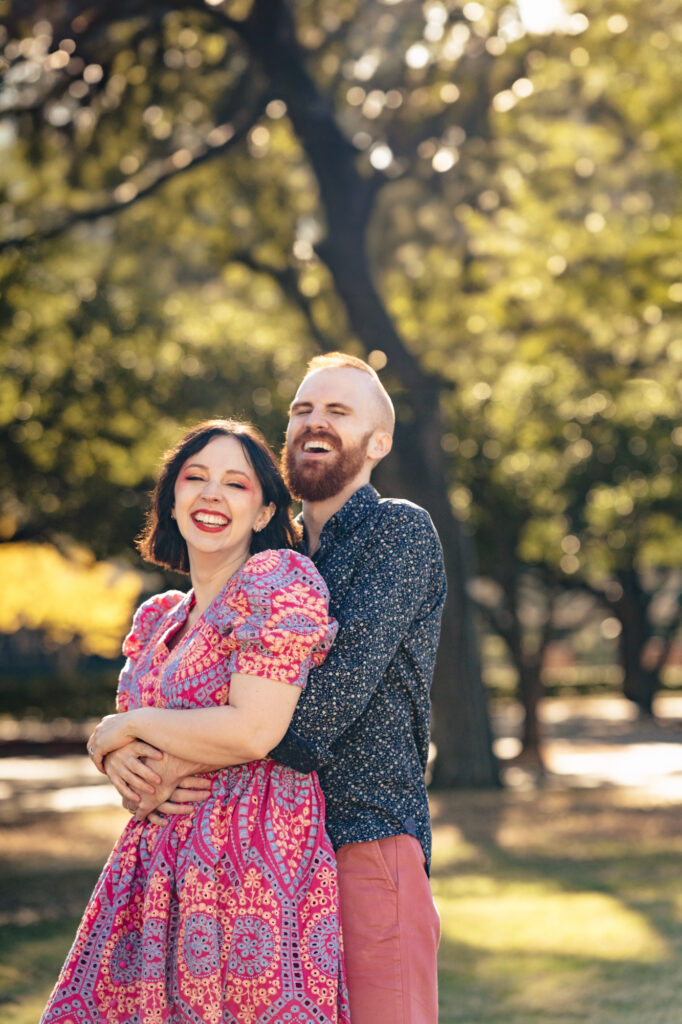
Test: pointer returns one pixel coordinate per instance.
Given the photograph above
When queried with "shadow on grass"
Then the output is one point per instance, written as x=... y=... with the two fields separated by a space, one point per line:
x=48 y=867
x=558 y=907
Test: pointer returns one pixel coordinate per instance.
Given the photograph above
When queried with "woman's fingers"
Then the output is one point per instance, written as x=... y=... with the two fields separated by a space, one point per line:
x=126 y=764
x=94 y=755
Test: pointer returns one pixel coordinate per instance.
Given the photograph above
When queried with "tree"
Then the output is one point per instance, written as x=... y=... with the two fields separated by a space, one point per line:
x=270 y=67
x=492 y=216
x=569 y=408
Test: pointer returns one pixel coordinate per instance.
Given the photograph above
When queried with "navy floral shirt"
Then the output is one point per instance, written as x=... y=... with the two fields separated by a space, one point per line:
x=363 y=720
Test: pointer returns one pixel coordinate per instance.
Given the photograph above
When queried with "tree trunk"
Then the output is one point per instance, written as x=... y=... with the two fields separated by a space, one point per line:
x=461 y=727
x=530 y=695
x=640 y=684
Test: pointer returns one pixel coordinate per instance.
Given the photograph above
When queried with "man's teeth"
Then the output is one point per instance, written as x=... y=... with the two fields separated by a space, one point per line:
x=209 y=520
x=317 y=446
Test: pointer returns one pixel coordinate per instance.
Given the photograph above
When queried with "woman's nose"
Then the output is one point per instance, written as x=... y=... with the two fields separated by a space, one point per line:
x=210 y=490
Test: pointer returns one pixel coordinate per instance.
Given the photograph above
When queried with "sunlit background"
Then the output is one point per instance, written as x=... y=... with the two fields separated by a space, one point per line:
x=483 y=200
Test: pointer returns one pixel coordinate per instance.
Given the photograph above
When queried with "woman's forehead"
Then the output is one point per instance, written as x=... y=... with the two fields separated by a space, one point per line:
x=222 y=451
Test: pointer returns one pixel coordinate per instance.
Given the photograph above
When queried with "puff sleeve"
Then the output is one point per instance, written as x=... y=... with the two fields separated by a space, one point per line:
x=145 y=622
x=279 y=618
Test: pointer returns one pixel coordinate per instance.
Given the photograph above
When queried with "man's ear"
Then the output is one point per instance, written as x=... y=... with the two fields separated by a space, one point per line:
x=380 y=444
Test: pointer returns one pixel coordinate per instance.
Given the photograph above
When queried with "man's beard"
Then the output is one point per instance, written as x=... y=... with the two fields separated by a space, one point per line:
x=314 y=481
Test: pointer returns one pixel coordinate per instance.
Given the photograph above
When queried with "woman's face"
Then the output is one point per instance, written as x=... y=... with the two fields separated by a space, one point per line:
x=219 y=502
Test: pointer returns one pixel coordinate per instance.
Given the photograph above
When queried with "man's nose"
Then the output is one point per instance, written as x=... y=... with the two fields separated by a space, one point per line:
x=316 y=420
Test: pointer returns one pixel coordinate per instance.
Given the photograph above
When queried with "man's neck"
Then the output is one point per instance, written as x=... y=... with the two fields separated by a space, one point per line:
x=317 y=513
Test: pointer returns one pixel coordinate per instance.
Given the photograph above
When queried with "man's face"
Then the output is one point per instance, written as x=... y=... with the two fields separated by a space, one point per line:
x=331 y=423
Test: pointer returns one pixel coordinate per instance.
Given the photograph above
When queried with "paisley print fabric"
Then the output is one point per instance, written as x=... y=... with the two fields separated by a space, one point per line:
x=227 y=915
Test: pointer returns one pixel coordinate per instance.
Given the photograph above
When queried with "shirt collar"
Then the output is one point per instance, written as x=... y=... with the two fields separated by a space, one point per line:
x=358 y=506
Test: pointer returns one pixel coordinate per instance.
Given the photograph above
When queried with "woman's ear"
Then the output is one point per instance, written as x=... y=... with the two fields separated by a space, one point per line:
x=264 y=517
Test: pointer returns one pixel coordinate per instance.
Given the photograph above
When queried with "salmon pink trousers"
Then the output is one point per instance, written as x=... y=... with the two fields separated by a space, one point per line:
x=391 y=931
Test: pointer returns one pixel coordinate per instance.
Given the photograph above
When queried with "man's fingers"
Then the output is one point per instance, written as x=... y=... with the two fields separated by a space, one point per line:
x=142 y=749
x=173 y=807
x=156 y=819
x=194 y=782
x=140 y=768
x=189 y=796
x=128 y=795
x=143 y=770
x=137 y=781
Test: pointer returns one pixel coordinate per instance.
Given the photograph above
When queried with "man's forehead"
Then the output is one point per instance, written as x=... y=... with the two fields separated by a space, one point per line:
x=342 y=383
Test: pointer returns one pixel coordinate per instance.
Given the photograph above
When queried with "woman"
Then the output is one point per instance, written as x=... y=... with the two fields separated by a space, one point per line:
x=228 y=913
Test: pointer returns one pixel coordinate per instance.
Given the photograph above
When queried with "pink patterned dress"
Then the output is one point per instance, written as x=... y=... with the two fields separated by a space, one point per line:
x=227 y=915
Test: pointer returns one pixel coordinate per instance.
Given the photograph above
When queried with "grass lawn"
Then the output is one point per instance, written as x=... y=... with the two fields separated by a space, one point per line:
x=557 y=906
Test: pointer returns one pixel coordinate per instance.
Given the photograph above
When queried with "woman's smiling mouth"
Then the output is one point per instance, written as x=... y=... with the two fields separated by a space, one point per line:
x=210 y=522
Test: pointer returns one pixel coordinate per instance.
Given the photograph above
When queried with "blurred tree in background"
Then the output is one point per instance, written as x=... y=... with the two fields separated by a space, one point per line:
x=480 y=198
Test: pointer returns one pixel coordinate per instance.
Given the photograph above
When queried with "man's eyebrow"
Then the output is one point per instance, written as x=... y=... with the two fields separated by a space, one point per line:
x=304 y=403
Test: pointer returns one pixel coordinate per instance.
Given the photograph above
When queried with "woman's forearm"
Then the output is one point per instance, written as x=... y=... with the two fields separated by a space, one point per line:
x=209 y=736
x=247 y=729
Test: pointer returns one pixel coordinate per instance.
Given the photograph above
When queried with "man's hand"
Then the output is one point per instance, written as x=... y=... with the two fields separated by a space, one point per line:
x=128 y=771
x=179 y=798
x=169 y=787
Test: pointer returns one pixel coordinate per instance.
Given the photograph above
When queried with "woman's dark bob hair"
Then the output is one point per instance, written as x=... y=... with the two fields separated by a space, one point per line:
x=162 y=543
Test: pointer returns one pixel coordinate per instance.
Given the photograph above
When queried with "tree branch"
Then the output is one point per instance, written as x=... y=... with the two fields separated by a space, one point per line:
x=170 y=170
x=287 y=279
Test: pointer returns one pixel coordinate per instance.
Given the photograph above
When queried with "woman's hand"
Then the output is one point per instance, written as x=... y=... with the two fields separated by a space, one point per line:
x=128 y=771
x=113 y=732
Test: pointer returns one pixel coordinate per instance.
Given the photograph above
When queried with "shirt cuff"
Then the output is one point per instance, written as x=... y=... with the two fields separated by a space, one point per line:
x=296 y=752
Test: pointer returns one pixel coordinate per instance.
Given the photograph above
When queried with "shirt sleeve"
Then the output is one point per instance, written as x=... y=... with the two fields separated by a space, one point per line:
x=145 y=622
x=282 y=625
x=399 y=588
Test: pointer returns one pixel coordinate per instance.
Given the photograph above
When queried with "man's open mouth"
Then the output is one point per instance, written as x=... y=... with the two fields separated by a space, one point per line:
x=318 y=447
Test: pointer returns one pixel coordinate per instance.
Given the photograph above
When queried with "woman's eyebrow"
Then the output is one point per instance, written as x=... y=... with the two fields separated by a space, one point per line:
x=200 y=465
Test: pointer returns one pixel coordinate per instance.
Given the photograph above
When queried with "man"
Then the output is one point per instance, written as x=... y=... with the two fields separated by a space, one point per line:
x=363 y=720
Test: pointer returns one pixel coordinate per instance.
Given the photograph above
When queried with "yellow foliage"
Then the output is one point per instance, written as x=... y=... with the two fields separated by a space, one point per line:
x=67 y=597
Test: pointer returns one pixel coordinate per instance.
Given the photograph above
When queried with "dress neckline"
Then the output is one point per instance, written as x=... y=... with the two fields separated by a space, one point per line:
x=185 y=606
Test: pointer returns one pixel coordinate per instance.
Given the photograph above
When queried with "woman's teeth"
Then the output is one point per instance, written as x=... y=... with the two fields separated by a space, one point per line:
x=210 y=520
